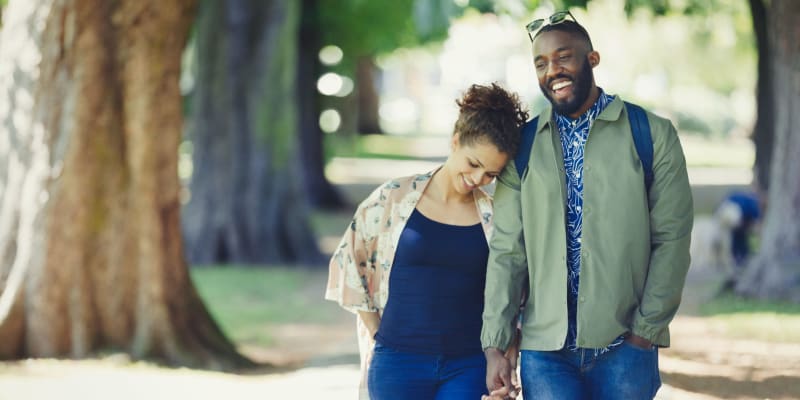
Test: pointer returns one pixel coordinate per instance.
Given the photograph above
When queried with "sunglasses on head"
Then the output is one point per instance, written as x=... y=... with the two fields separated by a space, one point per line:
x=554 y=19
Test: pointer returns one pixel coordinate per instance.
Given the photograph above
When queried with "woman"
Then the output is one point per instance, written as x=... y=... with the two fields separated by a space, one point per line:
x=412 y=264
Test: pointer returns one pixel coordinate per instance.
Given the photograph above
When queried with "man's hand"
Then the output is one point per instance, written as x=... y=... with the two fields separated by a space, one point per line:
x=638 y=341
x=512 y=355
x=498 y=375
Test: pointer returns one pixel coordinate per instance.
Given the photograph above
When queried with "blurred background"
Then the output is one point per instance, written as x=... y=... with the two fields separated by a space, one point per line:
x=174 y=176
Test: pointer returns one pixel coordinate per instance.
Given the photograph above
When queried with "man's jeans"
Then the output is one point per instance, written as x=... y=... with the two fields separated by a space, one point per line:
x=398 y=375
x=626 y=372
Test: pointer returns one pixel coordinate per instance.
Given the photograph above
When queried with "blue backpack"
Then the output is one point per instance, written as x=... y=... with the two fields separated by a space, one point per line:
x=640 y=129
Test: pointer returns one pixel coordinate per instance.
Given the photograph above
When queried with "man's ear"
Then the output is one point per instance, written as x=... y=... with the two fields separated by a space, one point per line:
x=594 y=58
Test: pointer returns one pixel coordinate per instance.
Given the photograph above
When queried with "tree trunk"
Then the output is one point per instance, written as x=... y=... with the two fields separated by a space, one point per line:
x=764 y=129
x=368 y=98
x=246 y=203
x=90 y=248
x=321 y=193
x=775 y=270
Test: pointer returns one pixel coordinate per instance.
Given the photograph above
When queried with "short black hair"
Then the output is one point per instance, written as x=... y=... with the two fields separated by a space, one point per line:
x=570 y=27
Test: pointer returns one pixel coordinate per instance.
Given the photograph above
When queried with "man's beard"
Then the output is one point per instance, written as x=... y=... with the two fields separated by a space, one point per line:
x=582 y=85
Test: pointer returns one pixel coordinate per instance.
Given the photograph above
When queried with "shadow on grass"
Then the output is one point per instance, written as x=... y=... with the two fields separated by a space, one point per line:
x=778 y=387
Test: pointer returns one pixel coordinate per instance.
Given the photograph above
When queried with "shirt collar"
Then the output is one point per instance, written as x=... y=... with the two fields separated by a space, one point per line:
x=603 y=100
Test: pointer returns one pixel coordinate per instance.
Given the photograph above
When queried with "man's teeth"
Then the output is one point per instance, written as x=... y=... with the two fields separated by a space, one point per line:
x=561 y=85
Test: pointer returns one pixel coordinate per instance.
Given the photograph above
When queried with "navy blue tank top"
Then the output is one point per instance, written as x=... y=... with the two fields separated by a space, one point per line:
x=436 y=289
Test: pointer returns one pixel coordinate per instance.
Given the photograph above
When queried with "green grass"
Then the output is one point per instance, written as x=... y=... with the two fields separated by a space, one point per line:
x=699 y=151
x=393 y=147
x=754 y=319
x=246 y=301
x=708 y=153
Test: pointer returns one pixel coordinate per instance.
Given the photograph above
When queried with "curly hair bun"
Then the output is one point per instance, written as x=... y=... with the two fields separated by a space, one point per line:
x=490 y=113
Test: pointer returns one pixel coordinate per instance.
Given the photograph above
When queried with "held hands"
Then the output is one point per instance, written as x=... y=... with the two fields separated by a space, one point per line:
x=501 y=373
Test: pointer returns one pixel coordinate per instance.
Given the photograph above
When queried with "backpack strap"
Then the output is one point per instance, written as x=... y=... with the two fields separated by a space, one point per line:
x=642 y=139
x=526 y=143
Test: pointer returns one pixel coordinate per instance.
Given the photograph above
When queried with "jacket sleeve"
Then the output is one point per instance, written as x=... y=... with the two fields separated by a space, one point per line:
x=352 y=265
x=671 y=216
x=507 y=266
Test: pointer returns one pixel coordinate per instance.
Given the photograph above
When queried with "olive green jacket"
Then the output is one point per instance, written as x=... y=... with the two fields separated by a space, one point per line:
x=634 y=245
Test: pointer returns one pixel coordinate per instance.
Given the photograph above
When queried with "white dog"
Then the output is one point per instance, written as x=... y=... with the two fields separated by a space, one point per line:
x=711 y=240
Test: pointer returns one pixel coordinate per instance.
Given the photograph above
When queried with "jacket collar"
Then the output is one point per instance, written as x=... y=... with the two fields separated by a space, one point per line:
x=612 y=112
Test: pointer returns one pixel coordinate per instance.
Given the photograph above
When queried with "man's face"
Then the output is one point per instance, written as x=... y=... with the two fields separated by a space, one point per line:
x=564 y=69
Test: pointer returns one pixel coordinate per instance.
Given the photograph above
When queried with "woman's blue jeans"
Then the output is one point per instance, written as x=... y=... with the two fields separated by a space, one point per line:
x=626 y=372
x=399 y=375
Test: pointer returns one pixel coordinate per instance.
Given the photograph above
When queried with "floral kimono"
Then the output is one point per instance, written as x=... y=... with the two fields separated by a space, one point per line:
x=360 y=266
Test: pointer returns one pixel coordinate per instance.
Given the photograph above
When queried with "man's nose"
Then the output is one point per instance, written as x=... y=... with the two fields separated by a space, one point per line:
x=552 y=69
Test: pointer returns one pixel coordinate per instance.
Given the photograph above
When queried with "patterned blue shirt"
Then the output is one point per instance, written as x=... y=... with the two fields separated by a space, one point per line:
x=573 y=133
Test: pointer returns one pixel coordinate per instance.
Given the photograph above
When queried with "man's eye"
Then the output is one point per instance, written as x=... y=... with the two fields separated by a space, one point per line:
x=473 y=165
x=564 y=58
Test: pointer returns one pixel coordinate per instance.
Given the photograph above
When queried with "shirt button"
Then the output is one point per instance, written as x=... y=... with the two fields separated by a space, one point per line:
x=583 y=299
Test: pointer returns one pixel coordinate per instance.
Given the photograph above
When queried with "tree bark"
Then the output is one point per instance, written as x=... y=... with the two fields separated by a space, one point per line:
x=368 y=99
x=775 y=271
x=247 y=204
x=764 y=129
x=321 y=193
x=90 y=248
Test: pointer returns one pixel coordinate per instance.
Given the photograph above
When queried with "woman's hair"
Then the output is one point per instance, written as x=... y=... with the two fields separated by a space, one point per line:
x=490 y=114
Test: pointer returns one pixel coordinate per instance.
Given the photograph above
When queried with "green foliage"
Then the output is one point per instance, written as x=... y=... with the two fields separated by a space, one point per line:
x=368 y=28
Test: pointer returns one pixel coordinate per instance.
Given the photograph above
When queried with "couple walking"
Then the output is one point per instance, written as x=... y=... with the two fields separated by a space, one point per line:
x=574 y=269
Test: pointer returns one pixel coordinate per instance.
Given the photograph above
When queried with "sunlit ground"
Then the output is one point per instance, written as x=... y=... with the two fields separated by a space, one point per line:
x=110 y=379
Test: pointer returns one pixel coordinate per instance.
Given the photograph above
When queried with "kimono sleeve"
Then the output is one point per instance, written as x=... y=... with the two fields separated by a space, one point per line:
x=351 y=269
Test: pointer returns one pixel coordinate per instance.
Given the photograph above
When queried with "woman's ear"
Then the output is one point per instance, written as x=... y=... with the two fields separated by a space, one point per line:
x=454 y=142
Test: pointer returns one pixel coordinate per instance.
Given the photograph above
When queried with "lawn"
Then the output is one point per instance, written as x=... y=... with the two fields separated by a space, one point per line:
x=743 y=318
x=699 y=151
x=248 y=301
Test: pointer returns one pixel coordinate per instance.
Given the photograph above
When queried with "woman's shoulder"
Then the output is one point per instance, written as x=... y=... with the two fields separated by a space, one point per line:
x=396 y=188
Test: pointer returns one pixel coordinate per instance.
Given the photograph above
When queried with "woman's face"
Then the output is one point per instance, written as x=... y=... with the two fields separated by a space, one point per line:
x=474 y=165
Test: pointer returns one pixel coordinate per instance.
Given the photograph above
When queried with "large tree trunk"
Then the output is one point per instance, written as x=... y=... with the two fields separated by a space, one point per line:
x=775 y=270
x=246 y=203
x=764 y=129
x=321 y=193
x=367 y=92
x=90 y=248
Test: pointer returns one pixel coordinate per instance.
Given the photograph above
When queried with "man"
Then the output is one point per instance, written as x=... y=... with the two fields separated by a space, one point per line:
x=605 y=258
x=748 y=207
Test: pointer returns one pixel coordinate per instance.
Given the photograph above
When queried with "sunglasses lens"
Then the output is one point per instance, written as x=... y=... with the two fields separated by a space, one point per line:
x=558 y=18
x=534 y=25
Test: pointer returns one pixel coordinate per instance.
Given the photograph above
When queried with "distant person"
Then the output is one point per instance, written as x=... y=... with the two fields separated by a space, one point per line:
x=412 y=263
x=745 y=213
x=603 y=243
